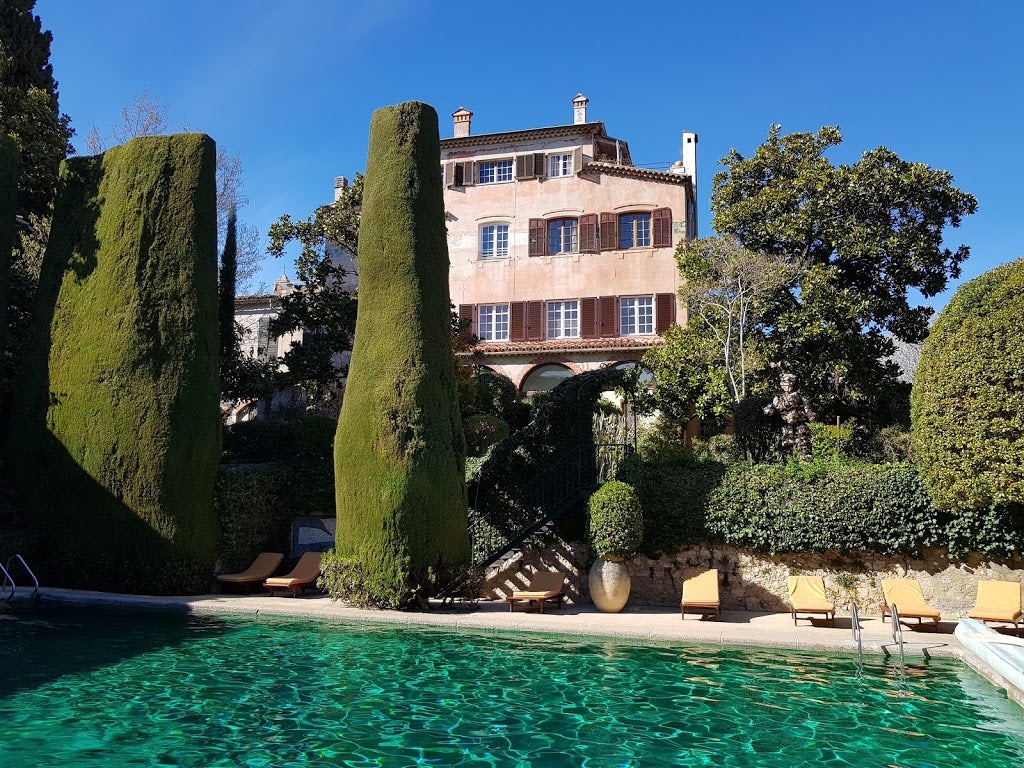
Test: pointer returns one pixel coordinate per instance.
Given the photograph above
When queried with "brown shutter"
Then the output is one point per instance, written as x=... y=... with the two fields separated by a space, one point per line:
x=464 y=177
x=609 y=232
x=540 y=164
x=538 y=237
x=590 y=324
x=661 y=220
x=517 y=321
x=588 y=233
x=449 y=174
x=577 y=159
x=525 y=167
x=466 y=312
x=664 y=311
x=535 y=321
x=609 y=311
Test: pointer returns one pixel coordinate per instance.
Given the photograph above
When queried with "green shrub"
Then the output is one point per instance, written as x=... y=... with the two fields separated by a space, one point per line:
x=261 y=440
x=399 y=450
x=482 y=432
x=755 y=432
x=9 y=170
x=967 y=404
x=115 y=437
x=616 y=521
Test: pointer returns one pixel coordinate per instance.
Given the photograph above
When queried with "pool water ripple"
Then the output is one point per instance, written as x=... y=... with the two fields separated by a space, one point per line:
x=130 y=689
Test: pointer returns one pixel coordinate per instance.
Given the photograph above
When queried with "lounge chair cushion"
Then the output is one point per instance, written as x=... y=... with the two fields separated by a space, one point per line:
x=997 y=601
x=262 y=567
x=305 y=572
x=909 y=599
x=544 y=586
x=807 y=595
x=700 y=590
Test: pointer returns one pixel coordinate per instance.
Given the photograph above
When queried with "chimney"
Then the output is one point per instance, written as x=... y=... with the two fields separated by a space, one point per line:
x=579 y=109
x=462 y=116
x=340 y=185
x=689 y=153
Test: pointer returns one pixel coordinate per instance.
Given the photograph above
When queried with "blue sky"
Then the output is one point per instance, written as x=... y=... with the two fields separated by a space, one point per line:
x=290 y=86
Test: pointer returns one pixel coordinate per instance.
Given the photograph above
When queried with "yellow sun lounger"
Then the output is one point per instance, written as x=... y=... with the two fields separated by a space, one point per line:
x=700 y=593
x=262 y=567
x=998 y=601
x=807 y=595
x=304 y=574
x=906 y=594
x=545 y=586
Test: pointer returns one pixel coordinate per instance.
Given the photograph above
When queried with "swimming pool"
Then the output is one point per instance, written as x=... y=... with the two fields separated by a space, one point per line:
x=88 y=688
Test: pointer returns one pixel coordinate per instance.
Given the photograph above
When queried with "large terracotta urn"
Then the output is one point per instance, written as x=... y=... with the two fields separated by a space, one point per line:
x=609 y=585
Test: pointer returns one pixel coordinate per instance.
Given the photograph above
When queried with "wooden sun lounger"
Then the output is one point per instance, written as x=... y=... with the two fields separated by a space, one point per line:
x=262 y=568
x=700 y=593
x=807 y=595
x=998 y=601
x=906 y=594
x=304 y=574
x=545 y=586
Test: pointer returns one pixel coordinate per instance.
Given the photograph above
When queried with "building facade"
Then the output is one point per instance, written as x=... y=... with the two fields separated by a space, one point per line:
x=561 y=250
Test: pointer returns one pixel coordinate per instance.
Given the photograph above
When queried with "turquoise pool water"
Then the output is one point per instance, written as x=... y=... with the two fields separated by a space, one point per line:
x=111 y=689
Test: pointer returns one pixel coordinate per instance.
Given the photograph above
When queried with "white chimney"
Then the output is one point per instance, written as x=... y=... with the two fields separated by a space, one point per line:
x=462 y=117
x=690 y=157
x=340 y=185
x=579 y=109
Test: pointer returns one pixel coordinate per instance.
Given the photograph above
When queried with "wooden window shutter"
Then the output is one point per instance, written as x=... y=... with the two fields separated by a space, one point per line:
x=525 y=167
x=590 y=324
x=517 y=321
x=535 y=321
x=540 y=164
x=661 y=223
x=609 y=232
x=538 y=237
x=664 y=311
x=464 y=174
x=467 y=312
x=577 y=159
x=588 y=233
x=448 y=177
x=609 y=312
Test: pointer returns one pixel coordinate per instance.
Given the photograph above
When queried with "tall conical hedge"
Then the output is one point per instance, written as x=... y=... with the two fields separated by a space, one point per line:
x=399 y=450
x=9 y=170
x=116 y=430
x=967 y=404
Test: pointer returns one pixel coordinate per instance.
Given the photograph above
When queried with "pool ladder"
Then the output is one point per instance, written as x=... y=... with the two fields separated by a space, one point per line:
x=9 y=580
x=897 y=637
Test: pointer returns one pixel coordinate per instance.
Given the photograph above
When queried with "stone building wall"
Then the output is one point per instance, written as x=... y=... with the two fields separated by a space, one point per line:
x=755 y=582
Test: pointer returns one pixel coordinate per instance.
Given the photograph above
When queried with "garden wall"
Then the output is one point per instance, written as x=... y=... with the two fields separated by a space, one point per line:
x=754 y=582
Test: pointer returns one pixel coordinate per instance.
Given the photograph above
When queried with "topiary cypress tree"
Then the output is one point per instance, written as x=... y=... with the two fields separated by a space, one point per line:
x=9 y=167
x=967 y=404
x=115 y=437
x=399 y=449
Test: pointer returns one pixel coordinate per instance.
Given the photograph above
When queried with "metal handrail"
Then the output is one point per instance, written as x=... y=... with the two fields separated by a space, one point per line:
x=28 y=570
x=897 y=637
x=8 y=580
x=855 y=626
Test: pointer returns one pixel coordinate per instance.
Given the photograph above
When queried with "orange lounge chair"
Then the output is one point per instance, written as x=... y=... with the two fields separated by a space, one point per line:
x=906 y=594
x=807 y=595
x=700 y=593
x=262 y=568
x=304 y=574
x=998 y=601
x=545 y=586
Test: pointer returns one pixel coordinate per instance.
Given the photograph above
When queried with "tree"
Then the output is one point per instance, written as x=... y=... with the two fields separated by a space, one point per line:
x=868 y=232
x=322 y=309
x=115 y=438
x=967 y=404
x=399 y=450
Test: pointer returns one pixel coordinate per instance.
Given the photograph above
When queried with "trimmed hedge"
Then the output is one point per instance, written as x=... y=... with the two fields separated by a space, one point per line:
x=616 y=521
x=967 y=404
x=9 y=171
x=399 y=451
x=263 y=440
x=115 y=438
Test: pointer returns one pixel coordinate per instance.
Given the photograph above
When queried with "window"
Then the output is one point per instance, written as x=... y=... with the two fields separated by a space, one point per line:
x=494 y=171
x=636 y=315
x=563 y=236
x=563 y=319
x=559 y=165
x=544 y=378
x=492 y=324
x=634 y=230
x=494 y=241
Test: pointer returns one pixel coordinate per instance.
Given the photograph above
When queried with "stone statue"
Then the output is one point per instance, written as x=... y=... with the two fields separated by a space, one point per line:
x=796 y=413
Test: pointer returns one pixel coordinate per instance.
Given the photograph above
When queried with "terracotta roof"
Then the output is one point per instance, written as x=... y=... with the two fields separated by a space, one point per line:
x=613 y=169
x=630 y=343
x=555 y=131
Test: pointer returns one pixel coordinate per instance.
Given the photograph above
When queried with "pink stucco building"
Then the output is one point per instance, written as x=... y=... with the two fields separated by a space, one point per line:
x=562 y=251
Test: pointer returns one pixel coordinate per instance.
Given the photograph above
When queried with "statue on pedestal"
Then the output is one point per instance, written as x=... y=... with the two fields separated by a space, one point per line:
x=796 y=413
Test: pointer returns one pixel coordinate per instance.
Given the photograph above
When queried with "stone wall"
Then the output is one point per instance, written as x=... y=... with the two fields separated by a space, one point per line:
x=755 y=582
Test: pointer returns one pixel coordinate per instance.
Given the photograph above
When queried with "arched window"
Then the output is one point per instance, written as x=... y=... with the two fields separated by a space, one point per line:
x=646 y=377
x=546 y=377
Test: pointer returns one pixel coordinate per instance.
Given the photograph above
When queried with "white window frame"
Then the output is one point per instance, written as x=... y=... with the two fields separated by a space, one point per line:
x=560 y=165
x=498 y=233
x=573 y=236
x=636 y=315
x=495 y=171
x=492 y=322
x=633 y=229
x=563 y=319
